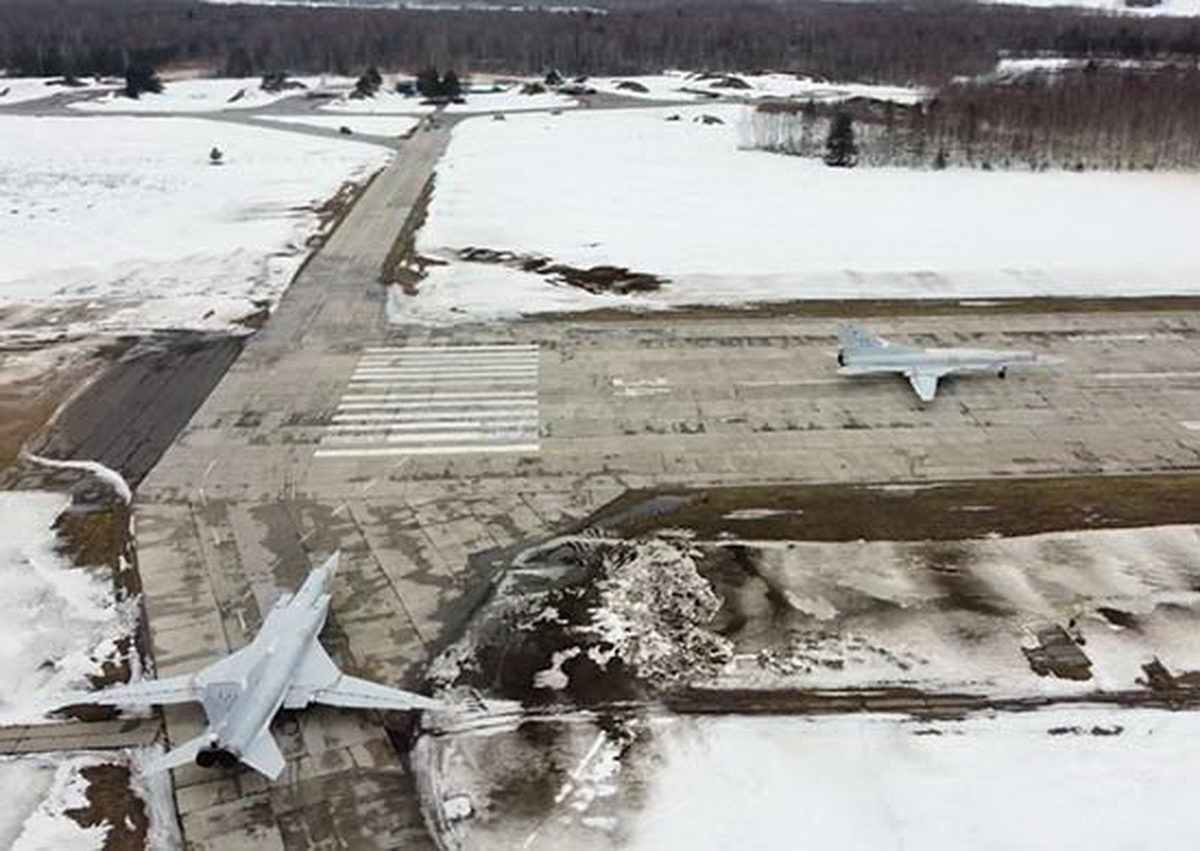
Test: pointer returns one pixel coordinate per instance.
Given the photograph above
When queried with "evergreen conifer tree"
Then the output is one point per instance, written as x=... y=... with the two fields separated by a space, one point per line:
x=840 y=149
x=429 y=84
x=141 y=77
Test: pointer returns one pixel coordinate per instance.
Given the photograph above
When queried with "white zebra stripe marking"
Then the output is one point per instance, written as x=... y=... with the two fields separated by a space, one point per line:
x=523 y=448
x=427 y=400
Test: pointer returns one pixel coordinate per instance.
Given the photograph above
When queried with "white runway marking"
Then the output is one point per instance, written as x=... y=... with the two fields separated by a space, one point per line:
x=431 y=400
x=1147 y=376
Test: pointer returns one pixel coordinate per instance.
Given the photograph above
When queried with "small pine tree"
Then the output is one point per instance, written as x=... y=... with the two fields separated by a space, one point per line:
x=939 y=159
x=141 y=78
x=429 y=84
x=368 y=84
x=840 y=149
x=450 y=86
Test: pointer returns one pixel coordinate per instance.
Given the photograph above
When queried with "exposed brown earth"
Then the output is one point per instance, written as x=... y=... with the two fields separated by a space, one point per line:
x=944 y=512
x=595 y=279
x=112 y=802
x=859 y=308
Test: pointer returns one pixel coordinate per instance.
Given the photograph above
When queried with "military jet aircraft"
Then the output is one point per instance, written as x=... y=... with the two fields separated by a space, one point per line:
x=283 y=667
x=864 y=354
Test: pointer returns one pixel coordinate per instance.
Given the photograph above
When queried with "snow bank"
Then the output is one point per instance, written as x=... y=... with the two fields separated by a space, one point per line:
x=679 y=199
x=959 y=616
x=511 y=100
x=38 y=791
x=1182 y=8
x=685 y=85
x=25 y=89
x=146 y=234
x=58 y=623
x=109 y=476
x=1077 y=778
x=199 y=95
x=385 y=102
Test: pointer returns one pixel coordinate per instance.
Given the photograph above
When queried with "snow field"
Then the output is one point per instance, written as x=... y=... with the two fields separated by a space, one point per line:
x=872 y=614
x=59 y=623
x=870 y=782
x=687 y=85
x=25 y=89
x=679 y=199
x=40 y=789
x=201 y=94
x=145 y=233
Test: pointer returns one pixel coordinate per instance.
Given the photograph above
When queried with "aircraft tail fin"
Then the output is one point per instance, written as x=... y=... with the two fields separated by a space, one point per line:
x=182 y=755
x=264 y=756
x=856 y=339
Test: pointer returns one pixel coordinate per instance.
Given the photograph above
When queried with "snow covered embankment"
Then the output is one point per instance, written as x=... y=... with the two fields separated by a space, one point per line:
x=59 y=623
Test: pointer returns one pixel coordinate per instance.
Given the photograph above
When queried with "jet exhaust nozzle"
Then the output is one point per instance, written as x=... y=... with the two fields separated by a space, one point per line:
x=215 y=757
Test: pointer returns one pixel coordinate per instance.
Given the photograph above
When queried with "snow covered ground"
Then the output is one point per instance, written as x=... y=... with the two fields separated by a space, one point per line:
x=40 y=789
x=122 y=225
x=24 y=89
x=512 y=100
x=374 y=125
x=897 y=614
x=686 y=85
x=200 y=95
x=386 y=102
x=1030 y=780
x=735 y=226
x=59 y=623
x=1182 y=8
x=508 y=100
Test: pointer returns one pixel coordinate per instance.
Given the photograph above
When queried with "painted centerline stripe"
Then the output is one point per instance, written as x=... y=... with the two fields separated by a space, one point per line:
x=438 y=437
x=439 y=425
x=375 y=452
x=497 y=347
x=414 y=416
x=465 y=404
x=399 y=374
x=513 y=395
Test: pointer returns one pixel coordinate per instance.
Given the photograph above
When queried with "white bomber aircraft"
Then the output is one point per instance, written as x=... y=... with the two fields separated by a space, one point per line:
x=283 y=667
x=864 y=354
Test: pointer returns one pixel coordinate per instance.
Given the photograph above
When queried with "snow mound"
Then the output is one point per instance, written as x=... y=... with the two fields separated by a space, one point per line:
x=654 y=609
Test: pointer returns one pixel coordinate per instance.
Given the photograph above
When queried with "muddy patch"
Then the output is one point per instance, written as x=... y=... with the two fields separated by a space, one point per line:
x=920 y=512
x=596 y=280
x=112 y=802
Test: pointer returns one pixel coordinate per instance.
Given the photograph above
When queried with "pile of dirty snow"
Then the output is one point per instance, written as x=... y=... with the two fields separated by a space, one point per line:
x=654 y=609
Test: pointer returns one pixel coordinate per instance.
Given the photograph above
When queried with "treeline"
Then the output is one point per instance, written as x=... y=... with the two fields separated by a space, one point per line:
x=880 y=42
x=1092 y=118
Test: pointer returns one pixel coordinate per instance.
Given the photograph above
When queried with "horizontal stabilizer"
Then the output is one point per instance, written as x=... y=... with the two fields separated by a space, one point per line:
x=182 y=755
x=353 y=692
x=264 y=755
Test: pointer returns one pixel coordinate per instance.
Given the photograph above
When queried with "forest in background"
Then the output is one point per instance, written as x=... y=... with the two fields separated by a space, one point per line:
x=1094 y=117
x=924 y=43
